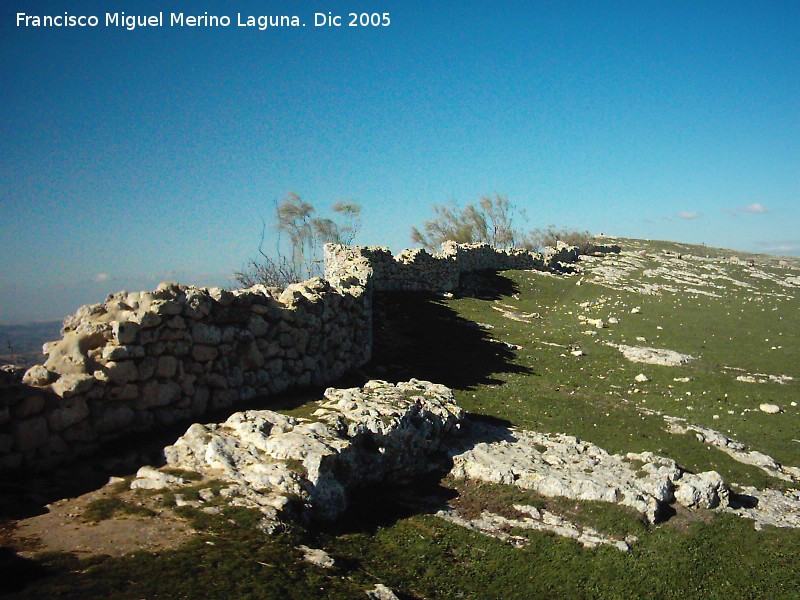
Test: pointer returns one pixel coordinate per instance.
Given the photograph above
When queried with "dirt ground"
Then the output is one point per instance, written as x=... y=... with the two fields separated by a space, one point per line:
x=65 y=528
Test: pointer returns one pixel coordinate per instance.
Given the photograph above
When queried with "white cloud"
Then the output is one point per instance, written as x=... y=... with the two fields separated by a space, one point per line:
x=101 y=277
x=755 y=208
x=689 y=214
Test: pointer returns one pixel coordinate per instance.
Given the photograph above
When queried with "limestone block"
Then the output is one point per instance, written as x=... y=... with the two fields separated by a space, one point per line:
x=167 y=307
x=148 y=478
x=258 y=326
x=204 y=353
x=68 y=412
x=178 y=348
x=30 y=405
x=197 y=306
x=206 y=334
x=222 y=296
x=115 y=353
x=147 y=368
x=125 y=332
x=30 y=434
x=176 y=322
x=187 y=385
x=171 y=335
x=38 y=375
x=250 y=356
x=80 y=432
x=148 y=336
x=72 y=384
x=113 y=417
x=223 y=398
x=129 y=391
x=154 y=393
x=703 y=490
x=167 y=367
x=122 y=372
x=155 y=348
x=148 y=320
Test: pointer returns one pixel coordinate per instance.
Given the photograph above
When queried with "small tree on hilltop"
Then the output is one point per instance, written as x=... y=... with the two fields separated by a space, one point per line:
x=307 y=233
x=491 y=221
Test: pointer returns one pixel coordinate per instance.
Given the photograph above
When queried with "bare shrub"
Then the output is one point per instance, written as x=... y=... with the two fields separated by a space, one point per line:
x=299 y=256
x=550 y=236
x=491 y=221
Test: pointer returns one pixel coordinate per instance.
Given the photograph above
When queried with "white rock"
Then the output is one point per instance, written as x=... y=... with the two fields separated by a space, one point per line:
x=149 y=478
x=703 y=490
x=381 y=592
x=770 y=409
x=641 y=378
x=317 y=556
x=655 y=356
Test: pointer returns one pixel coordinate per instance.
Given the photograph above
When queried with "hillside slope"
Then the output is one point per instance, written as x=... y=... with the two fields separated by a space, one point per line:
x=686 y=352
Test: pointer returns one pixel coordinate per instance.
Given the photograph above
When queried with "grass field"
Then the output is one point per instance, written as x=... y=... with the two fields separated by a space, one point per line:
x=518 y=365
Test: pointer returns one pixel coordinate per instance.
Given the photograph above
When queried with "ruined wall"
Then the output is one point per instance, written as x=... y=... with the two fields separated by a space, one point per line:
x=418 y=270
x=144 y=360
x=140 y=361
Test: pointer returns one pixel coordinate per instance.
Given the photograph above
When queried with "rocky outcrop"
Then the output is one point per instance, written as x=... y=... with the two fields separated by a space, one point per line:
x=653 y=356
x=562 y=465
x=357 y=437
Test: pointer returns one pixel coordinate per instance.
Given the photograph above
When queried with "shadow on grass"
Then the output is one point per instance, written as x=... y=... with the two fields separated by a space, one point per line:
x=418 y=335
x=485 y=285
x=382 y=504
x=17 y=571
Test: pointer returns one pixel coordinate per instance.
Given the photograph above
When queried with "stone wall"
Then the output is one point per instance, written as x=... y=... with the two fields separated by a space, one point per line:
x=418 y=270
x=144 y=360
x=141 y=361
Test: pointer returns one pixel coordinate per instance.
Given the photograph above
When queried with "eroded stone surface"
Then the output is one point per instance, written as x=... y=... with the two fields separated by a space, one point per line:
x=359 y=436
x=653 y=356
x=736 y=450
x=533 y=519
x=562 y=465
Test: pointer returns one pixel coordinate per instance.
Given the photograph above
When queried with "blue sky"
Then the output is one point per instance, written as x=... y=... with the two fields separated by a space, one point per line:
x=132 y=157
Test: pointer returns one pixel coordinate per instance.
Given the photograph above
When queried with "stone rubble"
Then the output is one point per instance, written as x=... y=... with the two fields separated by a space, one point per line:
x=358 y=436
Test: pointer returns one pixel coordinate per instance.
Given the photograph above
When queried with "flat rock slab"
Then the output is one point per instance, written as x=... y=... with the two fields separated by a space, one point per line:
x=653 y=356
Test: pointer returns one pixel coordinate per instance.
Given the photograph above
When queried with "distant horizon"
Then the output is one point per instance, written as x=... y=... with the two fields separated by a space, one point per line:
x=132 y=156
x=54 y=319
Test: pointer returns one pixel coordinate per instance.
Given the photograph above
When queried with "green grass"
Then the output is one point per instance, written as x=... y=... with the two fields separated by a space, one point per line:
x=540 y=387
x=103 y=509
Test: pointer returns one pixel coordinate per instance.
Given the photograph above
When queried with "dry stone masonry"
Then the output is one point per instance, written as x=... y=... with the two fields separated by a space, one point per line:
x=144 y=360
